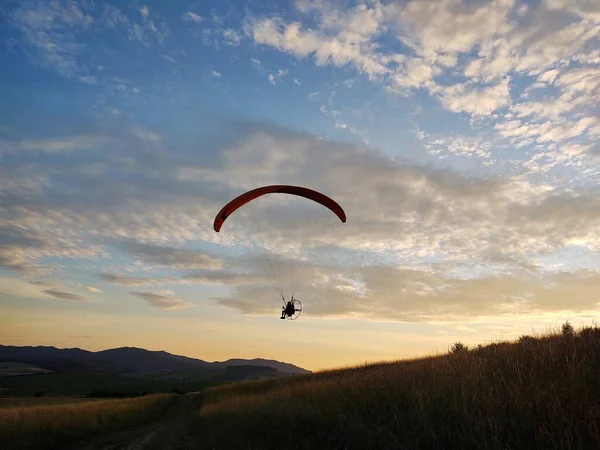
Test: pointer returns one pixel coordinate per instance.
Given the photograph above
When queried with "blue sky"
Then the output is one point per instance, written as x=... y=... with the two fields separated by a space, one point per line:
x=459 y=136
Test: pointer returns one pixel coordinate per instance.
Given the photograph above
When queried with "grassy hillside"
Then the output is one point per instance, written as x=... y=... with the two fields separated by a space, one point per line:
x=55 y=426
x=11 y=402
x=537 y=393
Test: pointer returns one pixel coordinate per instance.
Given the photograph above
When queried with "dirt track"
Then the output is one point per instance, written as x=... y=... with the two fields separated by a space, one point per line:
x=175 y=430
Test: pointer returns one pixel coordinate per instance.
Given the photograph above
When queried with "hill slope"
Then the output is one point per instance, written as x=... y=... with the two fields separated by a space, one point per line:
x=538 y=393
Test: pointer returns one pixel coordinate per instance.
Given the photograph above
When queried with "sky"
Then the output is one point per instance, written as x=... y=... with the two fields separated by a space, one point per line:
x=460 y=137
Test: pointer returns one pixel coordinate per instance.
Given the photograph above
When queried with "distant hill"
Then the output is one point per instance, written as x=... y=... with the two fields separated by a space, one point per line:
x=127 y=360
x=280 y=366
x=9 y=369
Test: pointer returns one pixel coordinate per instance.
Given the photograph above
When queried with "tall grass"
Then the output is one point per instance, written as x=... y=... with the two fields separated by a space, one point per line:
x=11 y=402
x=538 y=393
x=57 y=425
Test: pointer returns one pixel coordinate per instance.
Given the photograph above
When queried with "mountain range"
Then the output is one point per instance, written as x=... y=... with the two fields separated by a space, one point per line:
x=128 y=360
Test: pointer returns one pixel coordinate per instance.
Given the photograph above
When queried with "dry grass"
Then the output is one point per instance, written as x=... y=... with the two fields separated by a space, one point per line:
x=52 y=426
x=538 y=393
x=11 y=402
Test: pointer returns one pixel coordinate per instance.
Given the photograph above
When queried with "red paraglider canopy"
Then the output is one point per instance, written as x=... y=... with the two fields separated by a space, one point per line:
x=241 y=200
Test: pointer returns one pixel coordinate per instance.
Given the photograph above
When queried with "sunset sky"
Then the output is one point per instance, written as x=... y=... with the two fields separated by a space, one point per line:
x=460 y=137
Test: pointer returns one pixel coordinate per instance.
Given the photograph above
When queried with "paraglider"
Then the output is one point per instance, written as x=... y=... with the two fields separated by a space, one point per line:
x=241 y=200
x=292 y=309
x=299 y=226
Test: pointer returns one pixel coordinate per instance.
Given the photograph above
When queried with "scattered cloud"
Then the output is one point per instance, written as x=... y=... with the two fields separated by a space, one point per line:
x=162 y=300
x=50 y=30
x=169 y=58
x=517 y=81
x=473 y=100
x=175 y=258
x=55 y=35
x=423 y=215
x=232 y=37
x=61 y=295
x=192 y=17
x=20 y=289
x=91 y=289
x=40 y=283
x=277 y=77
x=484 y=59
x=125 y=280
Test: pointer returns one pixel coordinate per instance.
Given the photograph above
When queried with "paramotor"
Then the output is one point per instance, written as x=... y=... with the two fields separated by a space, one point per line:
x=280 y=226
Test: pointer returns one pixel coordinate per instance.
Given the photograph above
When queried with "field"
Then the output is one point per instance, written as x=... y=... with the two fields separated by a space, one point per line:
x=58 y=425
x=80 y=384
x=534 y=393
x=11 y=402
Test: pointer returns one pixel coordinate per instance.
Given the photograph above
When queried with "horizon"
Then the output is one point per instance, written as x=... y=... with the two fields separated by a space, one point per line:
x=459 y=137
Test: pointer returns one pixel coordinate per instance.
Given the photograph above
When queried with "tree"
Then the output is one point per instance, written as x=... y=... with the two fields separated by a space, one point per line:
x=567 y=329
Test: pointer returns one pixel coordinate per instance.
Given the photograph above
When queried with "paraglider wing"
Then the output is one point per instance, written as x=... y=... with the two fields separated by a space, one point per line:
x=241 y=200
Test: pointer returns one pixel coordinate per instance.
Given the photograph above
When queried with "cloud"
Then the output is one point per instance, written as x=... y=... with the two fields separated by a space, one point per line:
x=54 y=33
x=333 y=45
x=155 y=207
x=18 y=288
x=274 y=78
x=125 y=280
x=417 y=205
x=21 y=248
x=536 y=61
x=174 y=258
x=473 y=100
x=63 y=145
x=228 y=278
x=192 y=17
x=61 y=295
x=91 y=289
x=50 y=30
x=457 y=145
x=162 y=300
x=232 y=37
x=421 y=242
x=40 y=283
x=169 y=58
x=410 y=295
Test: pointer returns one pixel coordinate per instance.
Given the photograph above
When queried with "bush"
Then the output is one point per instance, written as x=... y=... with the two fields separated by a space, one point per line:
x=527 y=339
x=459 y=347
x=567 y=329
